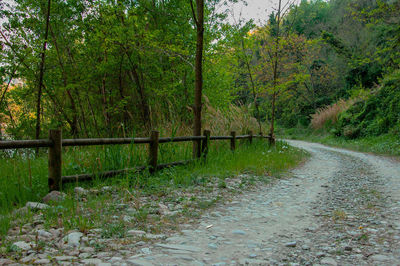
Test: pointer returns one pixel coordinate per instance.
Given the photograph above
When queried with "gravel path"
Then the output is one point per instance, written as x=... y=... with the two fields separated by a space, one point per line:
x=340 y=208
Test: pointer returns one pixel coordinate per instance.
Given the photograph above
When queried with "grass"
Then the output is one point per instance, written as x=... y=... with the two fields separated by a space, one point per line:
x=338 y=214
x=24 y=179
x=329 y=114
x=387 y=144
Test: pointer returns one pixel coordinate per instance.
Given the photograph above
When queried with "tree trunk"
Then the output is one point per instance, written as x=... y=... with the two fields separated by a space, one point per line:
x=104 y=106
x=121 y=92
x=198 y=87
x=275 y=75
x=133 y=74
x=271 y=129
x=39 y=97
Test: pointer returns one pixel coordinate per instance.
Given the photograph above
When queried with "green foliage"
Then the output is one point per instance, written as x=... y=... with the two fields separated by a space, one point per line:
x=112 y=68
x=336 y=43
x=307 y=18
x=359 y=48
x=378 y=114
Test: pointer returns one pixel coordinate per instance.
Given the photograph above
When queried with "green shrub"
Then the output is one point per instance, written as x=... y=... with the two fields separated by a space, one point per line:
x=378 y=114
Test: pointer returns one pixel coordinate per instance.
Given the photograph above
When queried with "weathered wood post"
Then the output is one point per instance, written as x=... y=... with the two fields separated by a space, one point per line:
x=233 y=140
x=153 y=150
x=205 y=143
x=55 y=159
x=271 y=140
x=250 y=136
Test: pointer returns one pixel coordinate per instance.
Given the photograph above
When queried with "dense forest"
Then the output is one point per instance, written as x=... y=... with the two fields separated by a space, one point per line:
x=119 y=68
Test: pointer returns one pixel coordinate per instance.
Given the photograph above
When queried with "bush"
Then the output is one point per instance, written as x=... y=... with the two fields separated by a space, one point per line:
x=377 y=115
x=351 y=132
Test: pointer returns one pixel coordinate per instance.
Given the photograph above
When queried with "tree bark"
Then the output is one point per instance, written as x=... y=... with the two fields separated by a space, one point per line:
x=198 y=68
x=41 y=73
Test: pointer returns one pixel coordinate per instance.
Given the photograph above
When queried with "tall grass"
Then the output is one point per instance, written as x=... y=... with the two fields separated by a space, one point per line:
x=329 y=114
x=220 y=121
x=24 y=178
x=234 y=117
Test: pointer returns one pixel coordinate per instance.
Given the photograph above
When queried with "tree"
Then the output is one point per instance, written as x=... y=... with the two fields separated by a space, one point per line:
x=246 y=59
x=41 y=69
x=198 y=18
x=274 y=43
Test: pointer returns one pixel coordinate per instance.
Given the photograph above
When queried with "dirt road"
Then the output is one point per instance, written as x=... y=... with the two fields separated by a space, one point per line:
x=340 y=208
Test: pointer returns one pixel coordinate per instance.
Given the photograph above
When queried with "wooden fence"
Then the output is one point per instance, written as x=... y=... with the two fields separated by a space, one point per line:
x=55 y=142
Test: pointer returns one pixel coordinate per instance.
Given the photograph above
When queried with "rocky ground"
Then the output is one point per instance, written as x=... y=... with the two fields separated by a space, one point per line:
x=339 y=208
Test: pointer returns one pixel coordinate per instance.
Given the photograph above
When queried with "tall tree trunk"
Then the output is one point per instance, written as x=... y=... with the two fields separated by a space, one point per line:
x=275 y=75
x=104 y=106
x=39 y=97
x=121 y=92
x=198 y=68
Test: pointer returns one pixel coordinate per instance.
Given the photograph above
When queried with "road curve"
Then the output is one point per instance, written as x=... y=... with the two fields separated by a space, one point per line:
x=339 y=208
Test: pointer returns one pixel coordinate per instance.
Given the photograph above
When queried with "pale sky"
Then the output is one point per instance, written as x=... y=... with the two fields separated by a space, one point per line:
x=258 y=10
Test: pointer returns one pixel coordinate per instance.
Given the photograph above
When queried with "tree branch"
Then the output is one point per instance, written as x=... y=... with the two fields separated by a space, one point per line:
x=193 y=13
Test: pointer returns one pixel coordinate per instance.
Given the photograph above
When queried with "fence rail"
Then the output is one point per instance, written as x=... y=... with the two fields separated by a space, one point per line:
x=55 y=144
x=18 y=144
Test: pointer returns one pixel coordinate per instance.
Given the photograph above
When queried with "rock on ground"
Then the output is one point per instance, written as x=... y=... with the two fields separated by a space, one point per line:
x=54 y=196
x=36 y=205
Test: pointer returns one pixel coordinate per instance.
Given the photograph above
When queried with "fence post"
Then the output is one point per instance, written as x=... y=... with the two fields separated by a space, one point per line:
x=55 y=159
x=153 y=150
x=271 y=140
x=205 y=143
x=233 y=140
x=250 y=136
